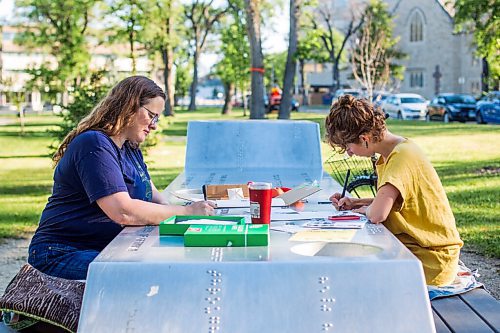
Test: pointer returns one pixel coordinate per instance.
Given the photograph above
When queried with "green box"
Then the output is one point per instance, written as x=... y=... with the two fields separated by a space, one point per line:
x=171 y=225
x=227 y=235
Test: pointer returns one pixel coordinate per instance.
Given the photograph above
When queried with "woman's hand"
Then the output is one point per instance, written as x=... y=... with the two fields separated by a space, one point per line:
x=200 y=208
x=344 y=203
x=361 y=210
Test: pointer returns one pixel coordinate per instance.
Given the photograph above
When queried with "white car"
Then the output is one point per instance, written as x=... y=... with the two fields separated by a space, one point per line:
x=405 y=106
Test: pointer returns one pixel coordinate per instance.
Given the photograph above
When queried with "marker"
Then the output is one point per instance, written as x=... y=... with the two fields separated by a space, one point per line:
x=345 y=183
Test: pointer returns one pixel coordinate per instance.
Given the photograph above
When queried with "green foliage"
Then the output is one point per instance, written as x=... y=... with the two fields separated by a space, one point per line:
x=311 y=47
x=84 y=98
x=59 y=28
x=235 y=48
x=182 y=79
x=128 y=19
x=274 y=66
x=482 y=17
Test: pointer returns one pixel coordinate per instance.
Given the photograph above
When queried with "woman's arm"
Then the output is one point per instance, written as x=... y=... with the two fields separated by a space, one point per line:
x=347 y=203
x=382 y=204
x=122 y=209
x=157 y=197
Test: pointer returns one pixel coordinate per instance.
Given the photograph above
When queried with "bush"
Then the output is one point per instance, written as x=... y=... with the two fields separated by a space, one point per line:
x=84 y=98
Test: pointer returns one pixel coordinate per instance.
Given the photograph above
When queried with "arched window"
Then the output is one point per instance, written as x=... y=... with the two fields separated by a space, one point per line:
x=416 y=28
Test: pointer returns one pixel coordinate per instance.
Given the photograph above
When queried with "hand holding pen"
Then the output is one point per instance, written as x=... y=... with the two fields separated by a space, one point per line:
x=340 y=201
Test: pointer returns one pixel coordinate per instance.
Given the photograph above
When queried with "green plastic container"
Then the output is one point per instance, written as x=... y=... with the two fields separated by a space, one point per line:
x=171 y=225
x=227 y=235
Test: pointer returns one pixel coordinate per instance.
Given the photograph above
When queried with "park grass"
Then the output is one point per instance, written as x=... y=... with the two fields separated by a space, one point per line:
x=466 y=157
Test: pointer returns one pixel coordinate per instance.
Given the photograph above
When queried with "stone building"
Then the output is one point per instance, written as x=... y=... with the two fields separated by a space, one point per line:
x=439 y=59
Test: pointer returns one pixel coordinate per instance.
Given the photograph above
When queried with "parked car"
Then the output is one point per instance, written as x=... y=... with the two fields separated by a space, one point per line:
x=452 y=107
x=488 y=109
x=405 y=106
x=379 y=97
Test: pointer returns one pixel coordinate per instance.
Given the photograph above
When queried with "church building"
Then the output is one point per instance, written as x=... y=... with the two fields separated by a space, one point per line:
x=438 y=58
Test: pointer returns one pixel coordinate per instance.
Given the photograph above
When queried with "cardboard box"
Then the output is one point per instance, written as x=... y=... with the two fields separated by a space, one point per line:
x=174 y=225
x=220 y=192
x=227 y=235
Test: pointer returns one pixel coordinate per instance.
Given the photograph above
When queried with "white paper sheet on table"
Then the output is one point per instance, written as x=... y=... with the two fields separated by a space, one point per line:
x=188 y=194
x=292 y=215
x=241 y=203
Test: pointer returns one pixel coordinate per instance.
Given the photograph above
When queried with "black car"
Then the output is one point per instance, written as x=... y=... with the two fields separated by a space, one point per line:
x=452 y=107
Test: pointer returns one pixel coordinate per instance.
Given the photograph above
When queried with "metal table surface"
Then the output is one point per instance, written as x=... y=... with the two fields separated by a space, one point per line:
x=148 y=283
x=142 y=282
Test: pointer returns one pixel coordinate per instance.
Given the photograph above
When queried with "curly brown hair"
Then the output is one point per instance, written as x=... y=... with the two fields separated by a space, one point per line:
x=115 y=111
x=351 y=117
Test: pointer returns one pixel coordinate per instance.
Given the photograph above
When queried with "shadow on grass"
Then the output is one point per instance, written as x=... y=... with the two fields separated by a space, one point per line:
x=25 y=156
x=465 y=171
x=30 y=190
x=27 y=134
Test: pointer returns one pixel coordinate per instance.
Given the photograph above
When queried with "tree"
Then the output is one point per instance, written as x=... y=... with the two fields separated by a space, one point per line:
x=58 y=27
x=129 y=26
x=182 y=69
x=329 y=36
x=233 y=67
x=257 y=59
x=291 y=61
x=202 y=17
x=481 y=17
x=374 y=50
x=310 y=47
x=163 y=37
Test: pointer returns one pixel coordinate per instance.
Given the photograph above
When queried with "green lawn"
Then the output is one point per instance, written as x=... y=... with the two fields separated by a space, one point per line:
x=466 y=156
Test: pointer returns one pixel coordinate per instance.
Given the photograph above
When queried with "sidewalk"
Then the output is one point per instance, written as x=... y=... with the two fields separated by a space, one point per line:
x=7 y=121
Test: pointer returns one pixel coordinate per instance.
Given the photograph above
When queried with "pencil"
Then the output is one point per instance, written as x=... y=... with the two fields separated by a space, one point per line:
x=345 y=182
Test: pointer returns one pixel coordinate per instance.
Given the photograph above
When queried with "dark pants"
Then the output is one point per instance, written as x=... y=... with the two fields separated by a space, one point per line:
x=60 y=260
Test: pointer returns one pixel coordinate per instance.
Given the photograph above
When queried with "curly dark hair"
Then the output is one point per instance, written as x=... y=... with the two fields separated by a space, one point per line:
x=351 y=117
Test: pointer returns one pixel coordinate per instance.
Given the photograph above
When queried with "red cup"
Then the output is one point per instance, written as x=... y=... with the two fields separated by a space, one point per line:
x=260 y=202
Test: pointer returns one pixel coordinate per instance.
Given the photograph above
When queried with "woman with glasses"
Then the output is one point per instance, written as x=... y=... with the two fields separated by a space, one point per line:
x=410 y=199
x=101 y=182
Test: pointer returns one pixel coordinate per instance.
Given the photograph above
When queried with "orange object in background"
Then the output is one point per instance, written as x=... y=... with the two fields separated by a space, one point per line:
x=279 y=190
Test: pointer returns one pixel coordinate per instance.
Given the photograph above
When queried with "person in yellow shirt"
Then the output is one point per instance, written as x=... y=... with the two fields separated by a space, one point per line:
x=410 y=199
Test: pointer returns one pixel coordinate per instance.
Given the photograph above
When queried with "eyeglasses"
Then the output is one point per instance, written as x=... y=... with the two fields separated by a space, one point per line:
x=153 y=116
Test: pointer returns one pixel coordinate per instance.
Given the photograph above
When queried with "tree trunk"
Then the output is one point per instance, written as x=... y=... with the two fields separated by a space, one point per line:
x=229 y=90
x=132 y=52
x=291 y=63
x=194 y=84
x=168 y=77
x=257 y=59
x=305 y=99
x=337 y=76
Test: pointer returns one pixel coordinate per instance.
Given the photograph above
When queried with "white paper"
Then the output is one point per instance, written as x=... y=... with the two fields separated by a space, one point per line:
x=189 y=194
x=206 y=221
x=277 y=215
x=235 y=193
x=241 y=203
x=327 y=224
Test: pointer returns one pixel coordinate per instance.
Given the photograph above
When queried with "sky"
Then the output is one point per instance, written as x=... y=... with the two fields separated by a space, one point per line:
x=277 y=27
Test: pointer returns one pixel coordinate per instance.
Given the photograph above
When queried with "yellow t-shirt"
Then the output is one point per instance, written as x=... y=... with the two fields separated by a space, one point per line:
x=421 y=218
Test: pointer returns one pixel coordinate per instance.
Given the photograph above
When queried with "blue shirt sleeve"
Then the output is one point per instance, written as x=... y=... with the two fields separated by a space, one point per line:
x=98 y=166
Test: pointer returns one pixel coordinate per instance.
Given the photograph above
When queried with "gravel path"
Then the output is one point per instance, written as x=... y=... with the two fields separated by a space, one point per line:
x=13 y=254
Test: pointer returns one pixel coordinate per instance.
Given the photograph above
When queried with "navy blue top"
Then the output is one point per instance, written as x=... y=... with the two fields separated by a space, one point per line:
x=91 y=168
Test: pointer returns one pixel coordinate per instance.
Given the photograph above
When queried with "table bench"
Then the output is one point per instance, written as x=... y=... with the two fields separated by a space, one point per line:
x=473 y=312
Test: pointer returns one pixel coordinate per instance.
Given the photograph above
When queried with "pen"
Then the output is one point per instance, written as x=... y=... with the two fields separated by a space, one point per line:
x=345 y=183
